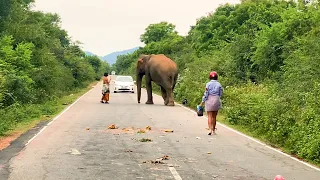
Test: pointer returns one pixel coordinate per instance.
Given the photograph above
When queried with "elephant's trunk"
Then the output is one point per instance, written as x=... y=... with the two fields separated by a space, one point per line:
x=139 y=81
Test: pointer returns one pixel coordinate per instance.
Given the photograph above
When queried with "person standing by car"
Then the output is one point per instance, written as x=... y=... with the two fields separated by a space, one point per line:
x=212 y=100
x=105 y=88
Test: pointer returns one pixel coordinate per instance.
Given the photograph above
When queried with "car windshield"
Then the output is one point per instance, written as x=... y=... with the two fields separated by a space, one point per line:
x=124 y=79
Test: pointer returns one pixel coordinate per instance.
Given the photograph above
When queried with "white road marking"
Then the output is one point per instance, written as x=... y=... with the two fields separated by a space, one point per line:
x=36 y=135
x=255 y=140
x=175 y=173
x=57 y=117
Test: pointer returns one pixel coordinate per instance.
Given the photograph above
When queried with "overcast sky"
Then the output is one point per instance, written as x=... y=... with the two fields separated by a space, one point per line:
x=105 y=26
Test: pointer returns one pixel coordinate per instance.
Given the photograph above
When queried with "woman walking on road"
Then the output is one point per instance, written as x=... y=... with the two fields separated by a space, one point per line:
x=212 y=100
x=105 y=88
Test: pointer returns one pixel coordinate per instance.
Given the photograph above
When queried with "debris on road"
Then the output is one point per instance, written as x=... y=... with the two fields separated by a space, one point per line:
x=148 y=128
x=128 y=150
x=208 y=152
x=126 y=129
x=87 y=129
x=198 y=137
x=165 y=157
x=157 y=161
x=141 y=131
x=112 y=126
x=215 y=176
x=168 y=130
x=74 y=152
x=145 y=140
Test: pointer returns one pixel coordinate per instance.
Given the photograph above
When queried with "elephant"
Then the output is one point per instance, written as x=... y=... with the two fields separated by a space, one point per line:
x=162 y=71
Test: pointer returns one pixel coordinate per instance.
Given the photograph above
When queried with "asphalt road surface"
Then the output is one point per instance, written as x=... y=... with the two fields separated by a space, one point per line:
x=79 y=145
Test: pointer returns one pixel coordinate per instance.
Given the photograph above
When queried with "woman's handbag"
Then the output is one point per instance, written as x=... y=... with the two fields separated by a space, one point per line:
x=199 y=110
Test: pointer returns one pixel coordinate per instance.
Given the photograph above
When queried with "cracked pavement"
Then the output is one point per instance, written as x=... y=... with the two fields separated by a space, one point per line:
x=118 y=154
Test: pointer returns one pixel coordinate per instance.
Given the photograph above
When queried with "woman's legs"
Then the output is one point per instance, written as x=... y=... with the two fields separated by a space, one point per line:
x=107 y=97
x=102 y=98
x=214 y=120
x=210 y=121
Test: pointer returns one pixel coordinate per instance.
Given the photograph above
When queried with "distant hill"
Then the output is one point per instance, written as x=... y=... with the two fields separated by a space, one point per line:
x=89 y=53
x=112 y=57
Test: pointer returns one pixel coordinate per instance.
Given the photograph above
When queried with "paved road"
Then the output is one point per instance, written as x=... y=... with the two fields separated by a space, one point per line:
x=66 y=149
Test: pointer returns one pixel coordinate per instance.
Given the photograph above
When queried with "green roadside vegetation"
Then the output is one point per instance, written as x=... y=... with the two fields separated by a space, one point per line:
x=267 y=53
x=41 y=69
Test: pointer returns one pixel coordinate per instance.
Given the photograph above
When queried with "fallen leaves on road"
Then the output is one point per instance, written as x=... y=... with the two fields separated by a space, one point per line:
x=87 y=129
x=148 y=128
x=165 y=157
x=112 y=126
x=208 y=152
x=141 y=131
x=128 y=150
x=126 y=129
x=168 y=130
x=145 y=140
x=157 y=161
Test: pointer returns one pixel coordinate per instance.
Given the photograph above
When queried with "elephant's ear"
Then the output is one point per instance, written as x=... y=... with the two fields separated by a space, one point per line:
x=145 y=57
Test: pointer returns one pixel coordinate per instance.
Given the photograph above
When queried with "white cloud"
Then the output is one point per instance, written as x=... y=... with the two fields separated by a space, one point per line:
x=104 y=26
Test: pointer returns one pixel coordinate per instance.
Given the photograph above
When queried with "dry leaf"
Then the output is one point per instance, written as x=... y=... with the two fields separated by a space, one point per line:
x=112 y=126
x=141 y=131
x=125 y=129
x=165 y=157
x=148 y=128
x=145 y=140
x=209 y=152
x=87 y=129
x=168 y=130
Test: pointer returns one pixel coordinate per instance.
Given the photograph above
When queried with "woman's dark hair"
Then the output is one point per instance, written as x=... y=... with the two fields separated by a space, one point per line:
x=106 y=74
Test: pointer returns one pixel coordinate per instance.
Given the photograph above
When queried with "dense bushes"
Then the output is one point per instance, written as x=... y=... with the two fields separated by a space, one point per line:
x=38 y=64
x=267 y=53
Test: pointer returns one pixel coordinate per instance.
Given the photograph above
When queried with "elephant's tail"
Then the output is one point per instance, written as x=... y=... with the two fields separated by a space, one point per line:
x=174 y=80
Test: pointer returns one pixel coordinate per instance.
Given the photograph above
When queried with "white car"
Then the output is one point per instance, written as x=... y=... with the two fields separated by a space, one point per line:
x=124 y=83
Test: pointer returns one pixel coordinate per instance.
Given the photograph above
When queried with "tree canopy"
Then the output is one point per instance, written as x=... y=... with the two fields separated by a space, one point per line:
x=38 y=61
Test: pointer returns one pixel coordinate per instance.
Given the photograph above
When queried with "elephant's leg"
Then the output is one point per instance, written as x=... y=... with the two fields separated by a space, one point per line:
x=149 y=90
x=170 y=97
x=164 y=95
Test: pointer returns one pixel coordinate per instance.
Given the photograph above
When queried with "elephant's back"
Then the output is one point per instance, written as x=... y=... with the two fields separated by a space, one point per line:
x=163 y=62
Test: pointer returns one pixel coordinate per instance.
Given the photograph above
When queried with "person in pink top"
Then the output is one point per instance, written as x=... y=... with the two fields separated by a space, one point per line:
x=212 y=100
